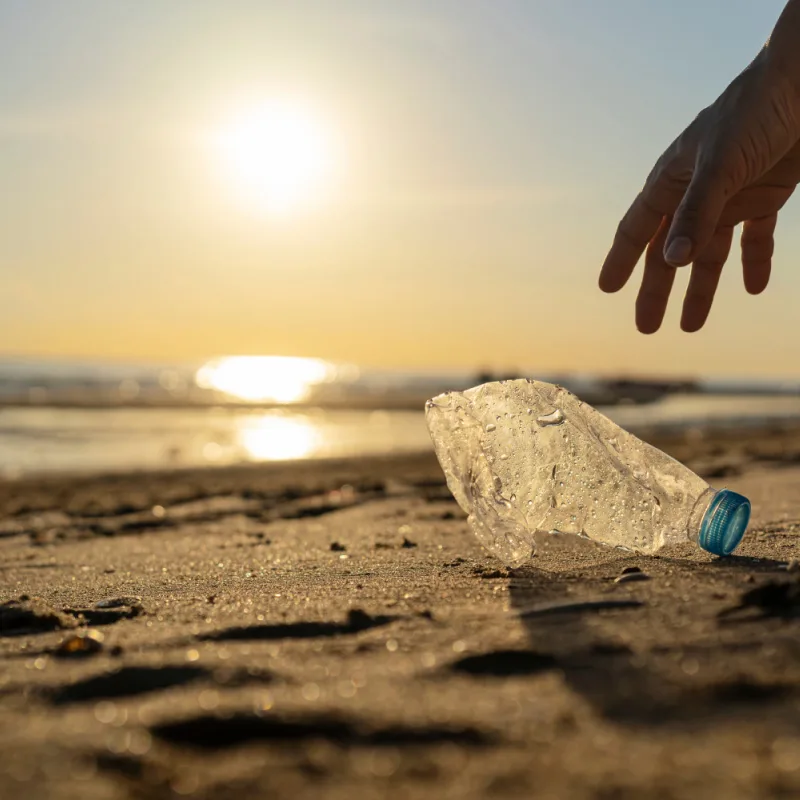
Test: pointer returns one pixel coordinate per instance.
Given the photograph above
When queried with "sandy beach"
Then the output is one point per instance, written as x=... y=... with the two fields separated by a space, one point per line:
x=334 y=630
x=246 y=246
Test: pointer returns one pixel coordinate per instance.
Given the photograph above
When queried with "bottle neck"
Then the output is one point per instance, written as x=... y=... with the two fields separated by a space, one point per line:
x=695 y=522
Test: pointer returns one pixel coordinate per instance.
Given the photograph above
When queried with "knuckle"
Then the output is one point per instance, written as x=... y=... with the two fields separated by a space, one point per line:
x=758 y=251
x=626 y=232
x=707 y=269
x=719 y=161
x=673 y=166
x=757 y=244
x=690 y=212
x=670 y=175
x=653 y=295
x=677 y=175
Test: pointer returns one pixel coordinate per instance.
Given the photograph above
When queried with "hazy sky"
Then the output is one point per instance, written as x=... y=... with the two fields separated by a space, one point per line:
x=482 y=152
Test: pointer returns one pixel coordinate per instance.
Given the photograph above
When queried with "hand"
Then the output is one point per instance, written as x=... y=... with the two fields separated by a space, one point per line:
x=739 y=161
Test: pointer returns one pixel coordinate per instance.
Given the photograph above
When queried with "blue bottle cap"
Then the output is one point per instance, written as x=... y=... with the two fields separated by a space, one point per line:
x=724 y=523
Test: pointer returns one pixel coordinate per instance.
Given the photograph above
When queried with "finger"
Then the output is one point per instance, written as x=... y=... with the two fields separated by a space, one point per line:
x=634 y=232
x=697 y=216
x=651 y=302
x=758 y=245
x=704 y=280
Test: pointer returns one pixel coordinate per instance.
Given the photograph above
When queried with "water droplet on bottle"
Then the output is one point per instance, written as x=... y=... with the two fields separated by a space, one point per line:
x=553 y=418
x=491 y=427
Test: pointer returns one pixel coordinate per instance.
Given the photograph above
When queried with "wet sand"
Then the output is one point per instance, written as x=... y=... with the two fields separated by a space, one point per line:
x=333 y=630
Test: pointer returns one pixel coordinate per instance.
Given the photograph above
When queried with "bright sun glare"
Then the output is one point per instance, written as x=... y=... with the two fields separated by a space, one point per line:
x=280 y=154
x=275 y=379
x=271 y=438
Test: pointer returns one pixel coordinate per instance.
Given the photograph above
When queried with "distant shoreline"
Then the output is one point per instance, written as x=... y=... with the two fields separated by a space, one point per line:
x=632 y=394
x=37 y=440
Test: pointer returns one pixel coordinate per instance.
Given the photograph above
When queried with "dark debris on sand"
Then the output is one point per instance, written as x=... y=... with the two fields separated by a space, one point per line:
x=27 y=615
x=772 y=599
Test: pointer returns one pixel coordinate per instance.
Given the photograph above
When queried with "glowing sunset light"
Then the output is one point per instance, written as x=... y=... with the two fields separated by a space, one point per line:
x=272 y=438
x=277 y=379
x=280 y=154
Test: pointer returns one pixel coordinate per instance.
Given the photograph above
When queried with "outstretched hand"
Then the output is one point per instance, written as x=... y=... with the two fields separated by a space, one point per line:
x=739 y=161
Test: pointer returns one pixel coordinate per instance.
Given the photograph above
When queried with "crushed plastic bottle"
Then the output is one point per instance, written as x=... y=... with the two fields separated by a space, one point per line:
x=525 y=456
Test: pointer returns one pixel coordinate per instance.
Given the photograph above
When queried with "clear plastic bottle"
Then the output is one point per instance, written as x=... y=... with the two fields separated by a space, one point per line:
x=524 y=456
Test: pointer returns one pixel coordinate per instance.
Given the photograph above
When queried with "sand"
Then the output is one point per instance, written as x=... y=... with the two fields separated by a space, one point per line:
x=335 y=631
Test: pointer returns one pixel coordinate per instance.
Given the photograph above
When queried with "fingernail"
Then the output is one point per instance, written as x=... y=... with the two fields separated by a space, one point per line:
x=678 y=251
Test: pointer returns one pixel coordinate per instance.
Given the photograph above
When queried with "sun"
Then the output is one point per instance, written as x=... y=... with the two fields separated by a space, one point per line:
x=280 y=154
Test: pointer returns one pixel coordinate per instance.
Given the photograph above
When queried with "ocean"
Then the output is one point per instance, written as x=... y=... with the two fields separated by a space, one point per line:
x=80 y=416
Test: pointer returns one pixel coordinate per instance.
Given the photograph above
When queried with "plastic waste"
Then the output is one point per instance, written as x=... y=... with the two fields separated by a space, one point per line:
x=524 y=456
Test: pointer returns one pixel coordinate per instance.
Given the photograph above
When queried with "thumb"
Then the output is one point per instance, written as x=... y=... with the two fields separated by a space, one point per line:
x=698 y=214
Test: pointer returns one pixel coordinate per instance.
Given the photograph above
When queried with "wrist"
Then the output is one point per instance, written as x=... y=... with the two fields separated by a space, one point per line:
x=781 y=74
x=781 y=54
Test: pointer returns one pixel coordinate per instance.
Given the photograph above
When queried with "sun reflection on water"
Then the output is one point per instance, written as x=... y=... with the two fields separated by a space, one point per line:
x=275 y=438
x=276 y=379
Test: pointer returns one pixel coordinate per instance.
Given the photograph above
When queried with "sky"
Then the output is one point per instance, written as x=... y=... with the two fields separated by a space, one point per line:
x=476 y=158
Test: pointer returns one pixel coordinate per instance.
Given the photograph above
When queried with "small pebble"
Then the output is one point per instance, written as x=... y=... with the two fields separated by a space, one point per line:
x=119 y=602
x=631 y=577
x=338 y=547
x=83 y=643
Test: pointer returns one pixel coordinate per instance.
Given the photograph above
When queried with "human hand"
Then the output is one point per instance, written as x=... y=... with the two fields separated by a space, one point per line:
x=739 y=161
